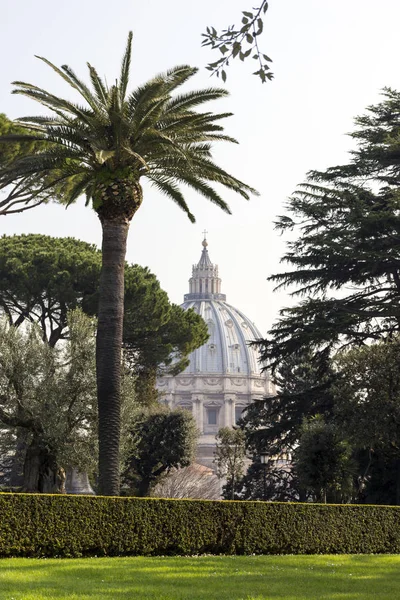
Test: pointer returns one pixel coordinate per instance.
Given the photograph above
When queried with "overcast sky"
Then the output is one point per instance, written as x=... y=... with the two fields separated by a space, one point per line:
x=331 y=58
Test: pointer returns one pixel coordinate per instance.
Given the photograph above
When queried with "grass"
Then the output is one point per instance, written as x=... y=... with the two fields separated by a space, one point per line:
x=339 y=577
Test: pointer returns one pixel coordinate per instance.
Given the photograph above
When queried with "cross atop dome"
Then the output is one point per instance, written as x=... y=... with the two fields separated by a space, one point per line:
x=205 y=283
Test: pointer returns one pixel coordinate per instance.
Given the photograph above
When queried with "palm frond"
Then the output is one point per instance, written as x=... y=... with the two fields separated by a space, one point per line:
x=79 y=188
x=125 y=68
x=205 y=190
x=98 y=85
x=57 y=105
x=212 y=172
x=160 y=86
x=36 y=120
x=170 y=189
x=85 y=92
x=154 y=132
x=69 y=76
x=178 y=75
x=185 y=101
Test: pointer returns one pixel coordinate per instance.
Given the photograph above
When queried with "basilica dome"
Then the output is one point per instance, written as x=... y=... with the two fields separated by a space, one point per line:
x=224 y=375
x=227 y=351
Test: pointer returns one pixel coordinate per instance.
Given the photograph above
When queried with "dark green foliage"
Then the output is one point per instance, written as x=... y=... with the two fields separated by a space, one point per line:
x=42 y=277
x=32 y=525
x=162 y=439
x=240 y=42
x=158 y=336
x=345 y=259
x=163 y=338
x=344 y=264
x=304 y=390
x=323 y=461
x=281 y=484
x=368 y=412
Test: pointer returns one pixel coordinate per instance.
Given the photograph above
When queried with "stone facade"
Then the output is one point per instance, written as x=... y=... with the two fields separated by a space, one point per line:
x=224 y=375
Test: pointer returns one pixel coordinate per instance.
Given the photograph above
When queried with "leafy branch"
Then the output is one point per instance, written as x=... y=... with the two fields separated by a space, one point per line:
x=234 y=42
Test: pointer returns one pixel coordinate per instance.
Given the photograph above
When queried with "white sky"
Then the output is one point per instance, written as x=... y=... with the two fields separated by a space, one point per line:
x=331 y=58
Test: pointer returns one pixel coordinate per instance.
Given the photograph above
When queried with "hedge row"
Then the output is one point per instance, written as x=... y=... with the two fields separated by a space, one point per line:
x=42 y=525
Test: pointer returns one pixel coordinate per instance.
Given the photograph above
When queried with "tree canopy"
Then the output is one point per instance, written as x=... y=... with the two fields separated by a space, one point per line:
x=42 y=278
x=304 y=390
x=120 y=137
x=323 y=461
x=162 y=440
x=343 y=263
x=367 y=411
x=50 y=395
x=230 y=454
x=345 y=259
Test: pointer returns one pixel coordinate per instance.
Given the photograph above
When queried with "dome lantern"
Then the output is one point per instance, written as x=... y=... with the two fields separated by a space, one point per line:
x=204 y=283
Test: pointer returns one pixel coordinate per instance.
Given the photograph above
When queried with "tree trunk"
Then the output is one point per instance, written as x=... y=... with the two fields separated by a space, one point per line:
x=17 y=469
x=108 y=351
x=32 y=469
x=41 y=471
x=143 y=488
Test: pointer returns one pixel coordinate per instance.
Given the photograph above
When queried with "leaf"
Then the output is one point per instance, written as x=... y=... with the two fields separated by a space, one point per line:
x=245 y=21
x=260 y=26
x=223 y=49
x=249 y=38
x=265 y=7
x=248 y=14
x=265 y=57
x=223 y=75
x=236 y=49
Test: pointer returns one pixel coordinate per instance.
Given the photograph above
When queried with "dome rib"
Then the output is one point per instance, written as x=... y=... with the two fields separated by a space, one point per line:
x=243 y=345
x=224 y=354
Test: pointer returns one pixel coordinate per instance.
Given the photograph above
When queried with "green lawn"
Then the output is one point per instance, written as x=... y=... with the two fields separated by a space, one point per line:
x=207 y=577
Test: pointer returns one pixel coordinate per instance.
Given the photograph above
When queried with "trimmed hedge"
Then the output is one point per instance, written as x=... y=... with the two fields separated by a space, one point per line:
x=44 y=525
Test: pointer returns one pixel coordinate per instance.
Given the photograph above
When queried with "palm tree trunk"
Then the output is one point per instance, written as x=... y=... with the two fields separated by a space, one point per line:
x=108 y=351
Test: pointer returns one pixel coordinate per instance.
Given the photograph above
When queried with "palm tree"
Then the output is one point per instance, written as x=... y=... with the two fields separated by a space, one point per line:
x=102 y=149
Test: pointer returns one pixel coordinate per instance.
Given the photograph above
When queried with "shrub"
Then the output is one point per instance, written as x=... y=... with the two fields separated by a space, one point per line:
x=45 y=525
